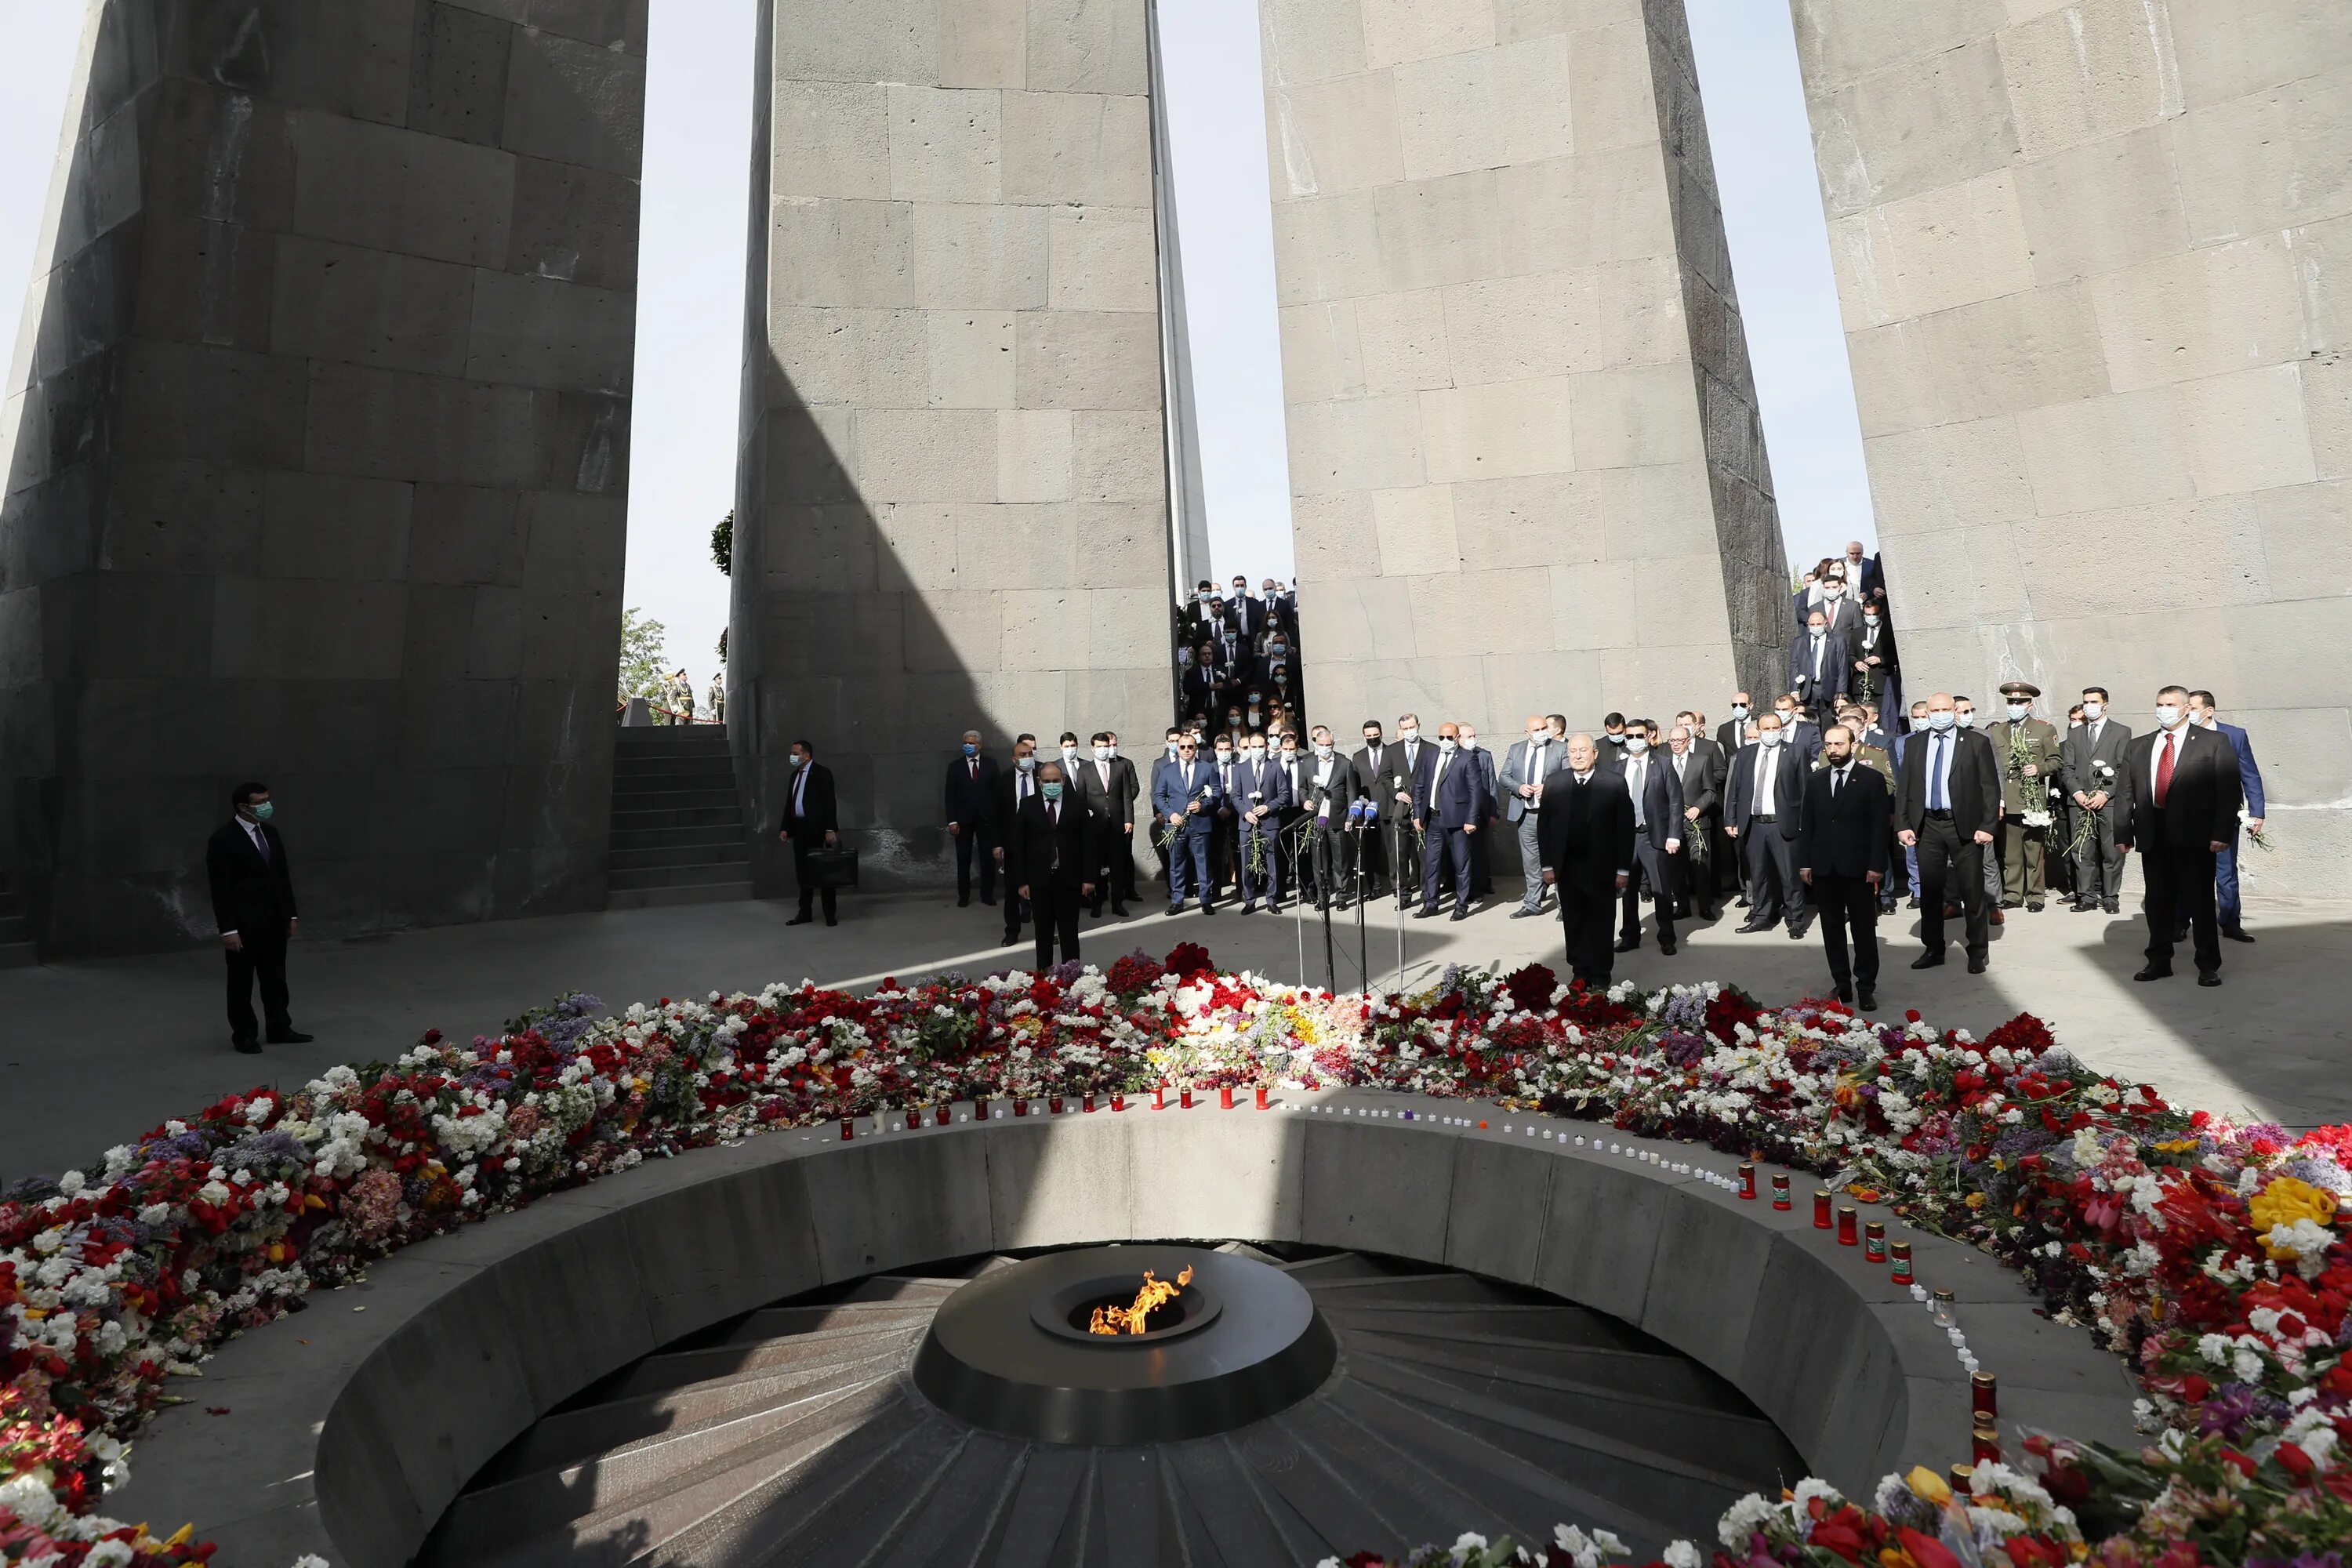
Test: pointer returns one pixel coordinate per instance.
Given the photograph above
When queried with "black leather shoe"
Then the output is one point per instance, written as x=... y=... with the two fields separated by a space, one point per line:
x=1668 y=949
x=1797 y=933
x=1628 y=943
x=989 y=898
x=1207 y=908
x=247 y=1048
x=2237 y=933
x=1119 y=911
x=2208 y=977
x=2087 y=906
x=800 y=920
x=1845 y=994
x=1250 y=908
x=2034 y=906
x=2181 y=935
x=291 y=1037
x=1429 y=913
x=1459 y=915
x=1927 y=961
x=2154 y=971
x=1868 y=1002
x=1751 y=927
x=1976 y=964
x=2111 y=907
x=831 y=920
x=1522 y=913
x=1174 y=909
x=963 y=901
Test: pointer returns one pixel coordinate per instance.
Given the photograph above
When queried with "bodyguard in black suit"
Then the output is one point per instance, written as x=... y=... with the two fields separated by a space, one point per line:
x=1658 y=841
x=811 y=819
x=1764 y=794
x=2184 y=794
x=1108 y=789
x=1015 y=787
x=972 y=819
x=1449 y=810
x=1378 y=769
x=252 y=904
x=1586 y=831
x=1841 y=858
x=1948 y=805
x=1057 y=859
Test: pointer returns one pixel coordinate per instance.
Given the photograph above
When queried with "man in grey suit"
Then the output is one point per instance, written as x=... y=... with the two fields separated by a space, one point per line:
x=2090 y=761
x=1521 y=781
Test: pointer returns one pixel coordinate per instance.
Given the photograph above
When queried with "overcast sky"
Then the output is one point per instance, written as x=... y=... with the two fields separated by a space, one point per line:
x=690 y=304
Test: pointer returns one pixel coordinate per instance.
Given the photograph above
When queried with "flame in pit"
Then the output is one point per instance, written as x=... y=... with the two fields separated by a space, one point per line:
x=1128 y=1320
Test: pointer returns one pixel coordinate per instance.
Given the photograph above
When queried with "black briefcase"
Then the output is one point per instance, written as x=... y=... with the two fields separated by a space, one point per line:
x=833 y=868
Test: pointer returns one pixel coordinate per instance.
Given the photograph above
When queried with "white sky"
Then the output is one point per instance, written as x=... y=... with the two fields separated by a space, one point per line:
x=690 y=301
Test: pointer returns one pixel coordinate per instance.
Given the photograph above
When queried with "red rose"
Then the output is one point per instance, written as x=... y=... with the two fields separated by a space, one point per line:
x=2295 y=1462
x=1924 y=1551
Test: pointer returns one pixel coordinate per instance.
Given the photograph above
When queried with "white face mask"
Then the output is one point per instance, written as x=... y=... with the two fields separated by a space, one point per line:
x=1445 y=745
x=1870 y=616
x=1939 y=719
x=2016 y=712
x=1069 y=753
x=1410 y=734
x=2168 y=714
x=1739 y=710
x=1102 y=753
x=1321 y=750
x=2093 y=710
x=1027 y=764
x=1257 y=754
x=1966 y=720
x=1469 y=742
x=1637 y=745
x=2211 y=720
x=1538 y=737
x=1768 y=737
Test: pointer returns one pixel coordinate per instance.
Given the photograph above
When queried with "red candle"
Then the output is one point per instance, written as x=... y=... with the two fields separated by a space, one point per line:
x=1984 y=1399
x=943 y=1115
x=914 y=1119
x=1184 y=1098
x=848 y=1128
x=1747 y=1179
x=1021 y=1107
x=1159 y=1097
x=1846 y=1227
x=1224 y=1097
x=1985 y=1444
x=1119 y=1103
x=1261 y=1097
x=1086 y=1103
x=1781 y=1192
x=1874 y=1241
x=1820 y=1210
x=1053 y=1105
x=1901 y=1253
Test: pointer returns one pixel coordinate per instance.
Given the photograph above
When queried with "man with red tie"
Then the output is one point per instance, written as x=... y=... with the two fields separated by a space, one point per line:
x=1058 y=858
x=2180 y=785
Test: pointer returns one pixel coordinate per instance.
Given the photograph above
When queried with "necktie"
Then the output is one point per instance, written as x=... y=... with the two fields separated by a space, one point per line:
x=261 y=842
x=2164 y=767
x=1837 y=781
x=1936 y=801
x=1640 y=773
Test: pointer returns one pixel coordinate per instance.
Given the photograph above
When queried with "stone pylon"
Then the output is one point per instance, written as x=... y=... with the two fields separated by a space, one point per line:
x=953 y=491
x=317 y=456
x=1527 y=470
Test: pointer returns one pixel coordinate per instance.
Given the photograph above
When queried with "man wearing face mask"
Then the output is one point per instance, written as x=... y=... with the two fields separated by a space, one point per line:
x=1658 y=800
x=252 y=903
x=1261 y=796
x=1841 y=860
x=1948 y=805
x=1331 y=786
x=2181 y=811
x=1818 y=661
x=2203 y=713
x=1108 y=789
x=1376 y=770
x=1448 y=812
x=1245 y=614
x=1612 y=740
x=1876 y=666
x=1587 y=828
x=1184 y=798
x=1057 y=855
x=1015 y=788
x=1530 y=762
x=1964 y=716
x=1207 y=617
x=1700 y=772
x=1765 y=788
x=2027 y=748
x=1414 y=759
x=972 y=819
x=1203 y=680
x=811 y=818
x=1224 y=832
x=1481 y=881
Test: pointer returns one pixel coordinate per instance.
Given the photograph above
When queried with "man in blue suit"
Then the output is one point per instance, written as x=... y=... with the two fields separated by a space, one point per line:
x=2202 y=712
x=1261 y=795
x=972 y=819
x=1185 y=799
x=1448 y=810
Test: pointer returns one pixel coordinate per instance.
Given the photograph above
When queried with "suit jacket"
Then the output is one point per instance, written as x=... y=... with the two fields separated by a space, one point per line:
x=2201 y=806
x=1204 y=689
x=1975 y=781
x=1741 y=795
x=818 y=815
x=1837 y=666
x=1036 y=843
x=1247 y=616
x=1264 y=779
x=1702 y=780
x=1112 y=807
x=1662 y=798
x=1371 y=770
x=1519 y=767
x=970 y=802
x=1844 y=835
x=1456 y=800
x=1007 y=806
x=1414 y=777
x=1342 y=787
x=1487 y=779
x=249 y=894
x=1883 y=648
x=1729 y=736
x=1804 y=739
x=1585 y=831
x=2249 y=777
x=2077 y=757
x=1176 y=787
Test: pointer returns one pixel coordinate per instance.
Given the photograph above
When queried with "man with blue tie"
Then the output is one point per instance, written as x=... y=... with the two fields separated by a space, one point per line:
x=1185 y=799
x=1658 y=799
x=1448 y=812
x=1947 y=803
x=1261 y=795
x=972 y=819
x=2201 y=714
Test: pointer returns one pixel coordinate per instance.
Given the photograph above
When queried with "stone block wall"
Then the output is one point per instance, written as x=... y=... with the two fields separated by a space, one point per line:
x=952 y=489
x=1527 y=470
x=317 y=458
x=2096 y=263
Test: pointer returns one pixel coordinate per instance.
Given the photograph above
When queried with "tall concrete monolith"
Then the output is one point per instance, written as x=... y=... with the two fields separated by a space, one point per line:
x=317 y=444
x=2094 y=263
x=1525 y=465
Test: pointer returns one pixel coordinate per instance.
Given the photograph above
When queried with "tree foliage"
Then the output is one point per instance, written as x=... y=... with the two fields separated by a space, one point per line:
x=722 y=545
x=641 y=655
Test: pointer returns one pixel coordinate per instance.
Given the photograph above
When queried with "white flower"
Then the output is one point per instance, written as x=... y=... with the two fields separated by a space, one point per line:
x=1682 y=1555
x=1740 y=1520
x=1469 y=1543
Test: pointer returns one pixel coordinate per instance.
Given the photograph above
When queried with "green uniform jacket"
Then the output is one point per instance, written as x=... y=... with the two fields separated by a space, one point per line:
x=2019 y=793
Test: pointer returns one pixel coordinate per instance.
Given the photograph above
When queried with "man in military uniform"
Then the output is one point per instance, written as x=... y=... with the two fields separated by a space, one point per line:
x=2027 y=750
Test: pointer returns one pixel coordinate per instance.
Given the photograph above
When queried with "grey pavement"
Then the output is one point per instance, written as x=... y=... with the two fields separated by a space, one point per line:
x=98 y=1051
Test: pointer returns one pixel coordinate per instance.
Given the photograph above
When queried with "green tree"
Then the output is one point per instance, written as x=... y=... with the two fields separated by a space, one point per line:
x=641 y=656
x=722 y=545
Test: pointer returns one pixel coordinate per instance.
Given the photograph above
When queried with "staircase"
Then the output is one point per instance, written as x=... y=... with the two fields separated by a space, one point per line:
x=677 y=824
x=15 y=931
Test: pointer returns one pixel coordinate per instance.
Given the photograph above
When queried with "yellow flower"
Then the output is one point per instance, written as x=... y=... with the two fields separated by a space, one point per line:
x=1976 y=1200
x=2285 y=1200
x=2175 y=1146
x=1927 y=1486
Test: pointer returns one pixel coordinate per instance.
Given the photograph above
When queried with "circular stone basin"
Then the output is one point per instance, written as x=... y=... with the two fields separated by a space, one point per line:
x=1011 y=1351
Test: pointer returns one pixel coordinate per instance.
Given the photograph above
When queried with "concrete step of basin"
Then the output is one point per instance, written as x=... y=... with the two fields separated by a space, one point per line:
x=672 y=898
x=730 y=851
x=676 y=876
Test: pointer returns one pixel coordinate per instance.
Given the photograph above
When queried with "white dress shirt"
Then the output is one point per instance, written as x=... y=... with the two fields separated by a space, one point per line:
x=2175 y=738
x=1768 y=779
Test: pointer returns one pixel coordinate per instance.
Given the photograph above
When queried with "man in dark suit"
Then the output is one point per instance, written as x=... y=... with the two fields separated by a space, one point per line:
x=1731 y=734
x=1763 y=794
x=1698 y=770
x=1877 y=668
x=1658 y=800
x=972 y=819
x=1261 y=795
x=1289 y=836
x=1184 y=802
x=1586 y=824
x=1015 y=786
x=1841 y=858
x=1204 y=680
x=2090 y=770
x=1245 y=615
x=252 y=904
x=1057 y=855
x=2202 y=712
x=1448 y=811
x=1800 y=731
x=1330 y=787
x=1482 y=879
x=811 y=818
x=1108 y=789
x=2183 y=792
x=1820 y=663
x=1376 y=769
x=1948 y=805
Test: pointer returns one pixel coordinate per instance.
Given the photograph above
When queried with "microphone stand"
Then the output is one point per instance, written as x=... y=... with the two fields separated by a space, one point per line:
x=1299 y=855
